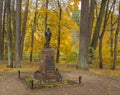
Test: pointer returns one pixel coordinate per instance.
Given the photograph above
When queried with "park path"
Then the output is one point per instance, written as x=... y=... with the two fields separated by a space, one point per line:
x=92 y=84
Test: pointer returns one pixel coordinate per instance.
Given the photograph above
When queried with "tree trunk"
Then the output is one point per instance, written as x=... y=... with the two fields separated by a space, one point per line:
x=32 y=35
x=116 y=41
x=112 y=29
x=24 y=27
x=98 y=25
x=83 y=52
x=100 y=53
x=17 y=33
x=1 y=32
x=3 y=29
x=102 y=35
x=90 y=24
x=59 y=33
x=13 y=23
x=107 y=14
x=9 y=34
x=13 y=15
x=91 y=20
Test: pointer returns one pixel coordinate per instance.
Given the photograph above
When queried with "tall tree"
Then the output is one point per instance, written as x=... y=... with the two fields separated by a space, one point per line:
x=112 y=29
x=13 y=18
x=24 y=27
x=90 y=24
x=83 y=52
x=59 y=32
x=33 y=30
x=102 y=34
x=116 y=40
x=98 y=25
x=17 y=33
x=1 y=32
x=91 y=20
x=9 y=34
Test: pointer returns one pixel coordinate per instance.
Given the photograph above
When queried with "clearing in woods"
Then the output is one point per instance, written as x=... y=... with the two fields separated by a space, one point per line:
x=92 y=84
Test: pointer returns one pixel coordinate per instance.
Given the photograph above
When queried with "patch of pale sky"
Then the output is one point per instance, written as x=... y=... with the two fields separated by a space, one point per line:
x=79 y=6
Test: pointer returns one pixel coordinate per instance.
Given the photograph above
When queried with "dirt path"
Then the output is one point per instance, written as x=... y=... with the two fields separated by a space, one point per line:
x=92 y=84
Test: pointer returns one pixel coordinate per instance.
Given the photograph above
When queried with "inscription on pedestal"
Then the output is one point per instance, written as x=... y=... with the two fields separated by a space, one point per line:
x=49 y=63
x=47 y=60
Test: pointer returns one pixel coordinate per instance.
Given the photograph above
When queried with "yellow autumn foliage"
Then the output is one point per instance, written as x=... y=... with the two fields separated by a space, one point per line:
x=66 y=24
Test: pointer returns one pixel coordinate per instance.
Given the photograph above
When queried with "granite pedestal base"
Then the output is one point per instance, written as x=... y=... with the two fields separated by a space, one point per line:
x=47 y=71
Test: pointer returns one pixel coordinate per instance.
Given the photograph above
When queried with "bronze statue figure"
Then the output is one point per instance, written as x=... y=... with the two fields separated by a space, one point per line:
x=47 y=71
x=48 y=37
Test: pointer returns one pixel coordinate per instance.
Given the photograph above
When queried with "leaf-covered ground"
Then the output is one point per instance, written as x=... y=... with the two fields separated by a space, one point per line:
x=31 y=67
x=94 y=81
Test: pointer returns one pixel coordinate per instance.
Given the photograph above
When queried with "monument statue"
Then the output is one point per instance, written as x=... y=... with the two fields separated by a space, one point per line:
x=47 y=70
x=48 y=37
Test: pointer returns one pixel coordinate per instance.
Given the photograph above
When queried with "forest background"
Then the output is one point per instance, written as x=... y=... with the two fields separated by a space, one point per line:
x=83 y=32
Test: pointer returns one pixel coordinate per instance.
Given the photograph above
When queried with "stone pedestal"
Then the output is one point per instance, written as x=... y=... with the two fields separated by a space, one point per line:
x=47 y=71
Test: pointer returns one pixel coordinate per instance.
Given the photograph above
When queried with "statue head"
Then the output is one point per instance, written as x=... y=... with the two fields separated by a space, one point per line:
x=48 y=28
